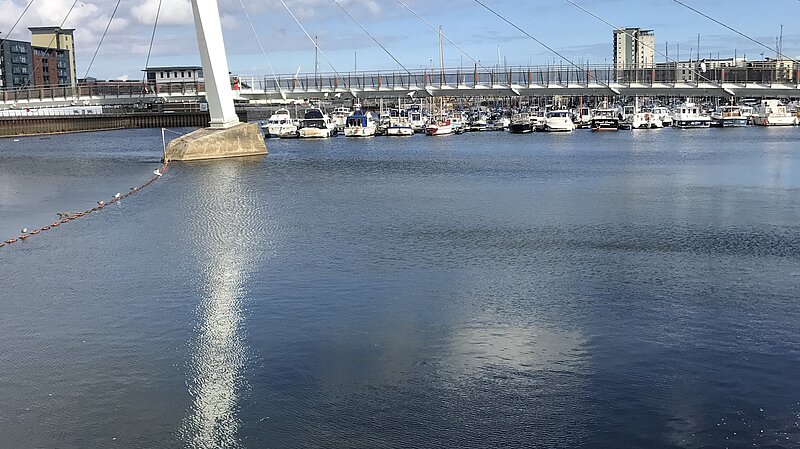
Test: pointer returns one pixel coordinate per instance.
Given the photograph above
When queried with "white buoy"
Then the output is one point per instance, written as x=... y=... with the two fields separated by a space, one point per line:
x=157 y=173
x=117 y=195
x=24 y=230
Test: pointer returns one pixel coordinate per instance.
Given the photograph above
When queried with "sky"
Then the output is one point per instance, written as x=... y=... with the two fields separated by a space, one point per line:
x=572 y=32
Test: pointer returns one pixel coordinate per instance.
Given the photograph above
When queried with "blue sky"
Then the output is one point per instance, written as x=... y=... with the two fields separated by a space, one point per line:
x=562 y=26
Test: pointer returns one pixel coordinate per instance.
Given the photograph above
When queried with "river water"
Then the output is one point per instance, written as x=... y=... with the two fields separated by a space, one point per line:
x=595 y=290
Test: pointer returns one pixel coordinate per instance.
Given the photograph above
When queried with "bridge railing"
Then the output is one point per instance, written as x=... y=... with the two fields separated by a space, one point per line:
x=556 y=74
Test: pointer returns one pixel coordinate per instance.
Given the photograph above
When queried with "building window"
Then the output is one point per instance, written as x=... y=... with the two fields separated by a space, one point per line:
x=183 y=74
x=176 y=74
x=167 y=74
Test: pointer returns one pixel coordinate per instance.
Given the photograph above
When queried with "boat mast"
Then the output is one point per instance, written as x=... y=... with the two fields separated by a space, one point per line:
x=441 y=67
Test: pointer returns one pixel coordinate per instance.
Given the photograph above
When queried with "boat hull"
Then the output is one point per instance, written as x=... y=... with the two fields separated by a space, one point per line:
x=520 y=128
x=729 y=122
x=438 y=130
x=359 y=131
x=315 y=133
x=692 y=123
x=399 y=131
x=772 y=120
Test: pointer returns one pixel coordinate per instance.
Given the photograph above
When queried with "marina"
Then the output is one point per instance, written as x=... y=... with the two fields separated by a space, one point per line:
x=622 y=273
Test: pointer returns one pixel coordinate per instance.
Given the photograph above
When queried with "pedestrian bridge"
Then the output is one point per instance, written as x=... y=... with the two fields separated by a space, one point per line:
x=513 y=82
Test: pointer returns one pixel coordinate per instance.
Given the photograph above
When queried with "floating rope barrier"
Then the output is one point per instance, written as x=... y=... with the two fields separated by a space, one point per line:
x=66 y=217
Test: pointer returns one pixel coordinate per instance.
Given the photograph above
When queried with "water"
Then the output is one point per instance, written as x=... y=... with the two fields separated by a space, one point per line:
x=630 y=289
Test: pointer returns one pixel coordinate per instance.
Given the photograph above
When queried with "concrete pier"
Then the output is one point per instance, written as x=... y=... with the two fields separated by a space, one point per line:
x=244 y=139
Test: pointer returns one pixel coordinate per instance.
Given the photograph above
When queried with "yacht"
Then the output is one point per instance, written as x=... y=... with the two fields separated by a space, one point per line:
x=521 y=123
x=773 y=113
x=559 y=120
x=280 y=124
x=317 y=124
x=360 y=124
x=339 y=117
x=728 y=116
x=689 y=115
x=644 y=119
x=663 y=115
x=439 y=126
x=400 y=125
x=604 y=119
x=539 y=120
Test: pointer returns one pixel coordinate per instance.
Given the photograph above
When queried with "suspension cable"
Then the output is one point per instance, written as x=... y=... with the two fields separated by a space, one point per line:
x=52 y=41
x=552 y=50
x=734 y=30
x=150 y=48
x=629 y=34
x=478 y=63
x=371 y=36
x=263 y=52
x=312 y=40
x=16 y=23
x=113 y=13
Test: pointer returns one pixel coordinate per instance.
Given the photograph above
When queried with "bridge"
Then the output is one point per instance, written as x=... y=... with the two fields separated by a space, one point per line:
x=535 y=81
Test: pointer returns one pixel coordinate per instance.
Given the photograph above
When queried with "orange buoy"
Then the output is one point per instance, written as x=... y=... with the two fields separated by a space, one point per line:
x=45 y=228
x=56 y=223
x=10 y=241
x=23 y=236
x=35 y=231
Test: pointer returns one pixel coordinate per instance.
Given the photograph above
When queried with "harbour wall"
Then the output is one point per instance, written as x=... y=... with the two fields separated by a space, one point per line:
x=35 y=125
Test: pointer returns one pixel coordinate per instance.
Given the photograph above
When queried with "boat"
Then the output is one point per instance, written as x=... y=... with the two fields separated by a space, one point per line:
x=280 y=122
x=663 y=115
x=316 y=124
x=400 y=125
x=339 y=117
x=773 y=113
x=439 y=126
x=728 y=116
x=539 y=120
x=604 y=119
x=458 y=122
x=583 y=117
x=689 y=115
x=558 y=121
x=360 y=124
x=521 y=123
x=417 y=121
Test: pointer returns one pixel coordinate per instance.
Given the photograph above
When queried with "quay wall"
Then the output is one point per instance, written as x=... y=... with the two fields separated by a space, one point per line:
x=33 y=125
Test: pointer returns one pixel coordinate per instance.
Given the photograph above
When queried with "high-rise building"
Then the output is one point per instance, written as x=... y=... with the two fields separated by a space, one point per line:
x=634 y=48
x=15 y=63
x=57 y=46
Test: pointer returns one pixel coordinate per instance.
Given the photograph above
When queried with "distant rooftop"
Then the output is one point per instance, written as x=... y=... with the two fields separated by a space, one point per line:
x=172 y=68
x=56 y=29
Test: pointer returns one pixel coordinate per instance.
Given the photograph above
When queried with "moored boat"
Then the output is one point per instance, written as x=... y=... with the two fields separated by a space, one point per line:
x=439 y=126
x=521 y=123
x=773 y=113
x=558 y=121
x=360 y=124
x=316 y=124
x=604 y=119
x=689 y=115
x=728 y=116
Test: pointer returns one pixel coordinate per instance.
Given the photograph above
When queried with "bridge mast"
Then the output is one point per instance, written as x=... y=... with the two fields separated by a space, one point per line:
x=215 y=63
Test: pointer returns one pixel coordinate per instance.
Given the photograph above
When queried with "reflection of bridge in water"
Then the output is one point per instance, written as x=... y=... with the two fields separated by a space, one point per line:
x=536 y=81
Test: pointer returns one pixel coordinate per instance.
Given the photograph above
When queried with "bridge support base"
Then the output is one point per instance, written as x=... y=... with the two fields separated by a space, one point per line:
x=244 y=139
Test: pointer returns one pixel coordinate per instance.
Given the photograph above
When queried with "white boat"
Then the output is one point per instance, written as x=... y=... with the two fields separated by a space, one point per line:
x=559 y=120
x=339 y=117
x=689 y=115
x=604 y=119
x=773 y=113
x=729 y=116
x=417 y=120
x=458 y=122
x=645 y=119
x=583 y=117
x=400 y=126
x=360 y=124
x=440 y=126
x=539 y=119
x=280 y=122
x=663 y=115
x=316 y=124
